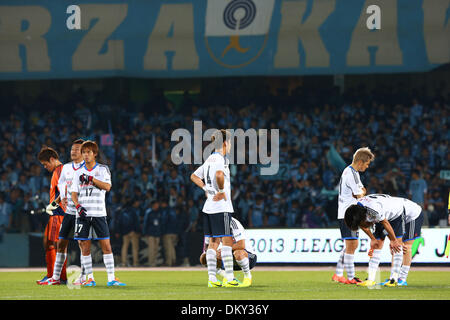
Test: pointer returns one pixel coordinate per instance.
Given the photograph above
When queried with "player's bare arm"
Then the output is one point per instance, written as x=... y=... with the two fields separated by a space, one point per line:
x=220 y=178
x=374 y=243
x=199 y=182
x=368 y=232
x=101 y=185
x=357 y=196
x=395 y=245
x=74 y=196
x=80 y=209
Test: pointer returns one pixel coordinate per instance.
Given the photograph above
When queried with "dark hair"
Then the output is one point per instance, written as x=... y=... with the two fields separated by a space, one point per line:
x=354 y=215
x=78 y=141
x=46 y=153
x=219 y=137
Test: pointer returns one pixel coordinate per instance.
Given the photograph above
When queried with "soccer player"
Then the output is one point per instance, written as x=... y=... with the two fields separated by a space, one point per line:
x=218 y=208
x=244 y=258
x=49 y=159
x=390 y=215
x=68 y=224
x=350 y=189
x=88 y=189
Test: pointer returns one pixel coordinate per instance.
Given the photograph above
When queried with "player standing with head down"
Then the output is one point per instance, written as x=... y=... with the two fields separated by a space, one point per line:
x=49 y=159
x=218 y=208
x=88 y=190
x=350 y=189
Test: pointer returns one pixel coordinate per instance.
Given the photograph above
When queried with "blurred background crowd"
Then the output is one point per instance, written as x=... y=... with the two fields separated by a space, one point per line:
x=153 y=199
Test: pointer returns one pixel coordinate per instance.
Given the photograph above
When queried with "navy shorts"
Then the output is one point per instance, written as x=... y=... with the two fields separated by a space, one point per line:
x=67 y=229
x=346 y=232
x=397 y=225
x=91 y=228
x=217 y=225
x=413 y=228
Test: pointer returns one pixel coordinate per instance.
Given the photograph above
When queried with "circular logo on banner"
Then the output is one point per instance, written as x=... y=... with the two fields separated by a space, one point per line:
x=241 y=37
x=239 y=14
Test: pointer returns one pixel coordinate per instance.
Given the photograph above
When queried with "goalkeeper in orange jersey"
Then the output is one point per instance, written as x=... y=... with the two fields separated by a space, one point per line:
x=49 y=159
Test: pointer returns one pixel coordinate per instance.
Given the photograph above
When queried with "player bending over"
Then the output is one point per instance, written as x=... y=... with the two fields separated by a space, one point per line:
x=88 y=190
x=243 y=257
x=389 y=214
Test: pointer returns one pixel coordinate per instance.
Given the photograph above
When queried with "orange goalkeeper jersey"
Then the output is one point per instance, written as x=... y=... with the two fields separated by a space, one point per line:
x=54 y=191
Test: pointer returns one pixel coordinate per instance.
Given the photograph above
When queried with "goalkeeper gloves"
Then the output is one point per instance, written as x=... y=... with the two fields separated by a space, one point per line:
x=84 y=178
x=81 y=211
x=52 y=206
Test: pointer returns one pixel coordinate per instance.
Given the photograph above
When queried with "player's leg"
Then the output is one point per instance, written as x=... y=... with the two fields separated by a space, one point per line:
x=45 y=243
x=52 y=239
x=396 y=264
x=86 y=262
x=82 y=278
x=406 y=263
x=222 y=226
x=242 y=259
x=412 y=231
x=60 y=261
x=50 y=257
x=65 y=232
x=83 y=235
x=374 y=263
x=211 y=262
x=397 y=257
x=211 y=252
x=349 y=256
x=339 y=274
x=108 y=260
x=227 y=259
x=101 y=233
x=50 y=245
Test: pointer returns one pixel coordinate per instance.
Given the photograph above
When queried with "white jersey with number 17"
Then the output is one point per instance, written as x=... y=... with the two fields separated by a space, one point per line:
x=91 y=197
x=207 y=172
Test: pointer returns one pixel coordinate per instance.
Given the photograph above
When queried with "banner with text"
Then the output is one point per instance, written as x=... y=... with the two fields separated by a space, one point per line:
x=48 y=39
x=325 y=246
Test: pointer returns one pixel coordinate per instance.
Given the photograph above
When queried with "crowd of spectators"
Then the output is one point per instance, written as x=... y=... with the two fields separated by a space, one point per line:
x=154 y=199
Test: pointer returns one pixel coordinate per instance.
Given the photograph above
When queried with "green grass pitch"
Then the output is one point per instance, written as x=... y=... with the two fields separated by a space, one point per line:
x=192 y=285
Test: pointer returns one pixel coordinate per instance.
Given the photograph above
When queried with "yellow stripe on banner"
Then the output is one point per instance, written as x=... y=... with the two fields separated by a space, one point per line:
x=447 y=247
